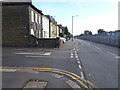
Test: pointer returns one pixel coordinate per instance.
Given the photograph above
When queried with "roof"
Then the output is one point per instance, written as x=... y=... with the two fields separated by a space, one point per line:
x=22 y=3
x=51 y=19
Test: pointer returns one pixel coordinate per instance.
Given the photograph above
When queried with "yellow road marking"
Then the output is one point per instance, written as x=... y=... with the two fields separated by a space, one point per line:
x=70 y=74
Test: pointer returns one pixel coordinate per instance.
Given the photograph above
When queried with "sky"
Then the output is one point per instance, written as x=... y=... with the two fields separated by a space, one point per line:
x=92 y=14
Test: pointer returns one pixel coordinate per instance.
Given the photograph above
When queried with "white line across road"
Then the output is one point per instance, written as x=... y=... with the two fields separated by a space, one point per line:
x=112 y=54
x=36 y=53
x=47 y=54
x=115 y=55
x=33 y=56
x=97 y=48
x=7 y=70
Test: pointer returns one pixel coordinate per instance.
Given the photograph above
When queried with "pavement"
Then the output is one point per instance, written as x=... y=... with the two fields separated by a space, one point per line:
x=41 y=68
x=77 y=64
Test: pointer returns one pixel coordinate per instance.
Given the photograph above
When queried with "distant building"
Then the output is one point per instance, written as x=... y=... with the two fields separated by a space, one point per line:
x=60 y=29
x=20 y=21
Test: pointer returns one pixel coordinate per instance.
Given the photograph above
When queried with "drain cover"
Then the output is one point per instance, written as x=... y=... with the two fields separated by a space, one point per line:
x=36 y=84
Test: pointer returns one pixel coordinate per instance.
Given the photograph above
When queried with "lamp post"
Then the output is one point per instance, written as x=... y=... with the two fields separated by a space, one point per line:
x=72 y=25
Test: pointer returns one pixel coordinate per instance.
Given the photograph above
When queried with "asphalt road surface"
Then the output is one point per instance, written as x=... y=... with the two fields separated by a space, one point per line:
x=91 y=61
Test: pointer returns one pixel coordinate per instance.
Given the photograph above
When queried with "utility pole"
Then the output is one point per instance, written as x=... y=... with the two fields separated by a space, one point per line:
x=72 y=25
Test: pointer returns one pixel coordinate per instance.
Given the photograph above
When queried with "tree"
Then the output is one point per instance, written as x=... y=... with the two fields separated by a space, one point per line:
x=100 y=31
x=81 y=35
x=87 y=32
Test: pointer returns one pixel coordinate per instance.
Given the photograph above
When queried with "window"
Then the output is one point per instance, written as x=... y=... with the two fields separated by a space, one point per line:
x=32 y=16
x=39 y=19
x=36 y=18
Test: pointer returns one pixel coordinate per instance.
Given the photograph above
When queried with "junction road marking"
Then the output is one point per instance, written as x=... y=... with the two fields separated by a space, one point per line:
x=71 y=56
x=7 y=70
x=97 y=48
x=76 y=56
x=73 y=76
x=72 y=84
x=33 y=56
x=48 y=53
x=82 y=76
x=36 y=53
x=78 y=62
x=115 y=55
x=112 y=54
x=80 y=67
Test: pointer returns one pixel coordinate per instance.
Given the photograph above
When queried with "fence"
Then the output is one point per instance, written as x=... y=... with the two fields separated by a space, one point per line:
x=108 y=38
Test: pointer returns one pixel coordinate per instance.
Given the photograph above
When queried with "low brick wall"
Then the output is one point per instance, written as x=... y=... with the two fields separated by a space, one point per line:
x=45 y=42
x=32 y=41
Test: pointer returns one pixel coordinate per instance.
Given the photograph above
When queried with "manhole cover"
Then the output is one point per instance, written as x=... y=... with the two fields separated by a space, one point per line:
x=36 y=84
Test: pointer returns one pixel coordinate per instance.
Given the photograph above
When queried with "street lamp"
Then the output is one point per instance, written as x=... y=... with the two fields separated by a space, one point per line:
x=72 y=25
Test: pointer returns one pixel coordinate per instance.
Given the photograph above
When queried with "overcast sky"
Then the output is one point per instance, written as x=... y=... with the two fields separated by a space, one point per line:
x=92 y=14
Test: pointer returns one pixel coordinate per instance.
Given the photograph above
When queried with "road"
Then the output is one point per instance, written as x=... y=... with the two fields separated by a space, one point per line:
x=100 y=63
x=91 y=61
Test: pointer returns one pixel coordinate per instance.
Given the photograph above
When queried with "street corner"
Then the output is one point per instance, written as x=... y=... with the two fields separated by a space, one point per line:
x=48 y=77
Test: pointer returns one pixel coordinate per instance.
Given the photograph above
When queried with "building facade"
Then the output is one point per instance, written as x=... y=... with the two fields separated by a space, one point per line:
x=45 y=24
x=19 y=22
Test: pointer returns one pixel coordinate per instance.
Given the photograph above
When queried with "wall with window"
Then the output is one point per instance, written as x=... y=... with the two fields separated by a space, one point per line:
x=45 y=23
x=35 y=20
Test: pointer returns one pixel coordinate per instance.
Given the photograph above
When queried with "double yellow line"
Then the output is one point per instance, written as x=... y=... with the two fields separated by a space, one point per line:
x=63 y=72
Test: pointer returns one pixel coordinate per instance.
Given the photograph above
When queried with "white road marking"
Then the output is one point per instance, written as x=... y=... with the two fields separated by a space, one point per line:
x=48 y=53
x=58 y=76
x=75 y=52
x=36 y=53
x=115 y=55
x=76 y=56
x=7 y=70
x=78 y=61
x=97 y=48
x=80 y=66
x=33 y=56
x=82 y=76
x=72 y=84
x=112 y=54
x=29 y=53
x=71 y=56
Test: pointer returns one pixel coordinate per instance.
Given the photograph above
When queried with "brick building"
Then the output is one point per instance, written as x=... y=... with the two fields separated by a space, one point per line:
x=20 y=21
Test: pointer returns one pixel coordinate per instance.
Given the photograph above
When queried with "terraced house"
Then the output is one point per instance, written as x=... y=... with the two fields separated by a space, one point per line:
x=21 y=21
x=53 y=27
x=26 y=26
